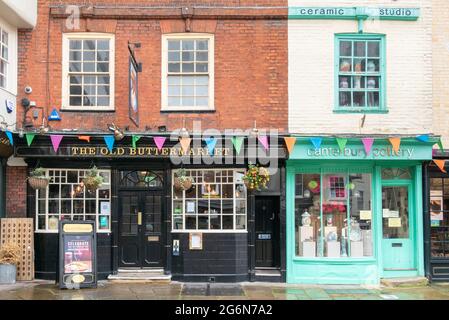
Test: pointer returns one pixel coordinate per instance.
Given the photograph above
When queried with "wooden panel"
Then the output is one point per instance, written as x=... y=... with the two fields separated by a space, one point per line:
x=21 y=232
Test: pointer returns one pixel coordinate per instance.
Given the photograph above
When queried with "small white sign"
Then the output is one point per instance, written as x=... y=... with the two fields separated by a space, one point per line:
x=190 y=206
x=365 y=215
x=394 y=214
x=105 y=207
x=386 y=213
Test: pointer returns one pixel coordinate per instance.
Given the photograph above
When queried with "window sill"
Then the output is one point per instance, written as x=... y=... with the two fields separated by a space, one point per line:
x=209 y=231
x=187 y=110
x=360 y=110
x=69 y=109
x=346 y=260
x=57 y=231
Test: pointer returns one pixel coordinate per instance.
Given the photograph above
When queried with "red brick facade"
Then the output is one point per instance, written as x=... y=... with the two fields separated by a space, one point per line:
x=16 y=187
x=250 y=62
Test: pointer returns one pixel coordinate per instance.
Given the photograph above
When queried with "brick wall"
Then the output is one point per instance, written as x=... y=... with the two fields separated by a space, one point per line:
x=16 y=186
x=250 y=68
x=440 y=45
x=408 y=72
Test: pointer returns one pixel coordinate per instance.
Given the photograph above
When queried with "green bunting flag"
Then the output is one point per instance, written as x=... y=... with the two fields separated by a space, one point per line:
x=341 y=143
x=237 y=142
x=440 y=144
x=30 y=138
x=134 y=140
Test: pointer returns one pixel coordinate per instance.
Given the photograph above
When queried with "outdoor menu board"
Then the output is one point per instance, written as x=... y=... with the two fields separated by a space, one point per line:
x=77 y=254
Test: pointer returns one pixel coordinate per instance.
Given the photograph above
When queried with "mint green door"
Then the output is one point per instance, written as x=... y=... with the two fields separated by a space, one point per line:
x=397 y=230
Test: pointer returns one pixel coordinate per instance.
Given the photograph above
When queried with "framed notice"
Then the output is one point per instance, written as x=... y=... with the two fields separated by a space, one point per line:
x=196 y=241
x=77 y=255
x=133 y=91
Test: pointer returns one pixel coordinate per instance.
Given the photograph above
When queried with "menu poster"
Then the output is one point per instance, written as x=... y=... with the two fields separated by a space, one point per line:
x=77 y=254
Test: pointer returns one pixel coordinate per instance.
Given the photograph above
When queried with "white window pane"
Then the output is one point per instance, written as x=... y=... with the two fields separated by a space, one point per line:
x=75 y=101
x=75 y=80
x=89 y=44
x=202 y=80
x=187 y=90
x=202 y=101
x=201 y=67
x=103 y=79
x=103 y=90
x=75 y=90
x=188 y=80
x=103 y=56
x=188 y=56
x=174 y=44
x=174 y=80
x=75 y=67
x=103 y=45
x=5 y=52
x=188 y=102
x=187 y=44
x=75 y=44
x=202 y=90
x=103 y=101
x=187 y=67
x=90 y=79
x=201 y=56
x=75 y=56
x=174 y=90
x=202 y=44
x=103 y=67
x=89 y=55
x=174 y=67
x=88 y=67
x=174 y=101
x=89 y=90
x=173 y=56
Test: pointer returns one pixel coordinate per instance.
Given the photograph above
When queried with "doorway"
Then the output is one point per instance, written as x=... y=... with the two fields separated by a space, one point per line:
x=267 y=231
x=140 y=232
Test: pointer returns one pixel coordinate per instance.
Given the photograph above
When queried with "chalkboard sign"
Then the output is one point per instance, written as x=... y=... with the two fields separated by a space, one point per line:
x=77 y=254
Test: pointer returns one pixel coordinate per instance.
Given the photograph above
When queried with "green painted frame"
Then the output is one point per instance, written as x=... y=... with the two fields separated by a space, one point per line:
x=382 y=108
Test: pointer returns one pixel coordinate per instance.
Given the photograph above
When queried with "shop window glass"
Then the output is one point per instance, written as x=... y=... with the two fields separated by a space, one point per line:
x=65 y=198
x=439 y=217
x=333 y=215
x=3 y=58
x=216 y=201
x=396 y=173
x=360 y=74
x=141 y=178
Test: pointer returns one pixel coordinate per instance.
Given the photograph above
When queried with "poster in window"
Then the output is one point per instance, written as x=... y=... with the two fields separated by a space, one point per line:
x=196 y=241
x=105 y=207
x=133 y=91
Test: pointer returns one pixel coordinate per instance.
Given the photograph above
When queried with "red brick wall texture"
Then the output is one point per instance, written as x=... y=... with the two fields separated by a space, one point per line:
x=250 y=66
x=16 y=186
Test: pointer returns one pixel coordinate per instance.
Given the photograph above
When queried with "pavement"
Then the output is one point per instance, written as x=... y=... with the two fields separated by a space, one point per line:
x=47 y=290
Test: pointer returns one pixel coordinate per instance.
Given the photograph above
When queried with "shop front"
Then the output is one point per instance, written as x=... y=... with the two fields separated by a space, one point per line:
x=145 y=220
x=354 y=210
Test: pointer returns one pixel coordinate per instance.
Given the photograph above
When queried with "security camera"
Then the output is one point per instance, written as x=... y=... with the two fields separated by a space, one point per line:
x=28 y=89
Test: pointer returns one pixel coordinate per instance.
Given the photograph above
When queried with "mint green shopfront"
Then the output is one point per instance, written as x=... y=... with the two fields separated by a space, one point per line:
x=353 y=217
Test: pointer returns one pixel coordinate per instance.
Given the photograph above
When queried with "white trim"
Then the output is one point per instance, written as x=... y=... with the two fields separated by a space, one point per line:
x=66 y=37
x=164 y=71
x=209 y=231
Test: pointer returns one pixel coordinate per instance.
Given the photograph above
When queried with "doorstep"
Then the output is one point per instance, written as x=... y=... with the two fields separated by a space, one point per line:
x=405 y=282
x=268 y=275
x=141 y=276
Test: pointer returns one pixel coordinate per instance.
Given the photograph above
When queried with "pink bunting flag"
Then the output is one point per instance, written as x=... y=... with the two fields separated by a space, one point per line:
x=264 y=141
x=159 y=141
x=55 y=141
x=367 y=143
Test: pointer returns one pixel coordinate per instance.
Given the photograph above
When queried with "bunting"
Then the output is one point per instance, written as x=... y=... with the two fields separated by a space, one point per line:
x=237 y=143
x=159 y=141
x=55 y=141
x=316 y=142
x=395 y=143
x=341 y=143
x=109 y=140
x=367 y=144
x=423 y=138
x=10 y=138
x=210 y=143
x=441 y=164
x=30 y=138
x=185 y=143
x=290 y=143
x=440 y=145
x=85 y=138
x=264 y=141
x=134 y=140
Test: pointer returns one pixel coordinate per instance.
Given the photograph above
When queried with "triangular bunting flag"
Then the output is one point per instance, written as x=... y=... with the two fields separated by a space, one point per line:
x=237 y=142
x=440 y=145
x=85 y=138
x=290 y=143
x=341 y=143
x=185 y=143
x=395 y=142
x=30 y=138
x=159 y=141
x=423 y=138
x=9 y=135
x=264 y=141
x=210 y=143
x=367 y=144
x=134 y=140
x=109 y=140
x=55 y=141
x=316 y=142
x=440 y=164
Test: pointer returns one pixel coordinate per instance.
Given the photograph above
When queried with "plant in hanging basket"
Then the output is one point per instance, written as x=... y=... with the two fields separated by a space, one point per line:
x=92 y=181
x=38 y=179
x=256 y=177
x=182 y=181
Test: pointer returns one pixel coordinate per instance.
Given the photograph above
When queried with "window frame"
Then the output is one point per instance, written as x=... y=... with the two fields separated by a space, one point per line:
x=7 y=60
x=66 y=37
x=47 y=198
x=164 y=70
x=234 y=200
x=382 y=108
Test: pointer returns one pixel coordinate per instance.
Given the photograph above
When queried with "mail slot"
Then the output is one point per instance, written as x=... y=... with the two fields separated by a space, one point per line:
x=264 y=236
x=153 y=238
x=396 y=245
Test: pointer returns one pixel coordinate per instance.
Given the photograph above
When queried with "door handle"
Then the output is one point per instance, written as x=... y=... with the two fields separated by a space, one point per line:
x=139 y=218
x=272 y=216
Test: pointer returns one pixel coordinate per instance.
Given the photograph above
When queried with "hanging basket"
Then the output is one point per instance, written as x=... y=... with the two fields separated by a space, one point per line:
x=92 y=183
x=183 y=184
x=38 y=183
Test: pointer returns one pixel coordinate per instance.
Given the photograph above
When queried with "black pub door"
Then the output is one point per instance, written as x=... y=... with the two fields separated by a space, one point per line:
x=140 y=241
x=267 y=241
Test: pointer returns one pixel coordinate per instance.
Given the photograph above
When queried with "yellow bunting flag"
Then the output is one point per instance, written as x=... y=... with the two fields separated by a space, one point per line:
x=290 y=143
x=185 y=144
x=395 y=142
x=440 y=164
x=85 y=138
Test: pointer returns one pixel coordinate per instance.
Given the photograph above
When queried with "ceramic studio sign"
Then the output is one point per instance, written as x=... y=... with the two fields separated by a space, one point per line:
x=352 y=13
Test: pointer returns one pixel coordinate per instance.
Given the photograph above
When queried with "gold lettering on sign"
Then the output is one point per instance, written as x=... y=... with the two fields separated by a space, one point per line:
x=132 y=151
x=104 y=151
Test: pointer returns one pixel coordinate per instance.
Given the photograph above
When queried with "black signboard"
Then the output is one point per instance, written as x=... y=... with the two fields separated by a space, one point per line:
x=77 y=254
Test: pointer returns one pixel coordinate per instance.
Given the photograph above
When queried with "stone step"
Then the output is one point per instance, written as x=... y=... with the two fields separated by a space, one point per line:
x=405 y=282
x=152 y=278
x=149 y=271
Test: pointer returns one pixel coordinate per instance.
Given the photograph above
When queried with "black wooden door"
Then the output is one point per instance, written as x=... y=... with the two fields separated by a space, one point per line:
x=140 y=229
x=266 y=235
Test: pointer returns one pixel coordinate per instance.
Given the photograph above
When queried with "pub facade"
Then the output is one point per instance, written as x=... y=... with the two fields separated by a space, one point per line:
x=128 y=89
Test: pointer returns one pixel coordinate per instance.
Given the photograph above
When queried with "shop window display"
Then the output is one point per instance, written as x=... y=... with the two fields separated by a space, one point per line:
x=333 y=215
x=439 y=217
